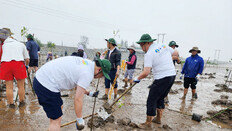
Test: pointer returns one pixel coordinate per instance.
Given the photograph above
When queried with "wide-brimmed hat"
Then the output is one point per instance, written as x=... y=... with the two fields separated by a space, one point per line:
x=145 y=38
x=195 y=49
x=171 y=43
x=105 y=66
x=112 y=41
x=29 y=36
x=131 y=47
x=4 y=34
x=8 y=31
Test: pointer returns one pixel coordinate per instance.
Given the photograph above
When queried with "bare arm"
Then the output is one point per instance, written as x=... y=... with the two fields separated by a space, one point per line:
x=27 y=61
x=145 y=73
x=78 y=101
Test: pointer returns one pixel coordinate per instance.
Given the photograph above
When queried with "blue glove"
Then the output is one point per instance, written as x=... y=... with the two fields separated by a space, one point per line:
x=26 y=67
x=136 y=81
x=80 y=124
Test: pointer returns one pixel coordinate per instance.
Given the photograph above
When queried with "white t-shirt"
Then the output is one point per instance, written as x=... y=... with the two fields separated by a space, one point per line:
x=159 y=57
x=14 y=50
x=66 y=73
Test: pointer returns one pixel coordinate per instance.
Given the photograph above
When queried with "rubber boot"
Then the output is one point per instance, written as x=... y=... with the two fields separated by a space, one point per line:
x=147 y=124
x=157 y=119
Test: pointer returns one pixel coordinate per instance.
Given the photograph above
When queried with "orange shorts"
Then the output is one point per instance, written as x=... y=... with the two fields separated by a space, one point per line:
x=12 y=69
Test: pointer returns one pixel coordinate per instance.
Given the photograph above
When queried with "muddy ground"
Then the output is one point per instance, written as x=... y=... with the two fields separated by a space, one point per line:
x=177 y=115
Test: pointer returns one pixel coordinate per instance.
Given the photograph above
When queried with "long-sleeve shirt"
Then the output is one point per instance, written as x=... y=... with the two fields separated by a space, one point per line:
x=193 y=65
x=132 y=60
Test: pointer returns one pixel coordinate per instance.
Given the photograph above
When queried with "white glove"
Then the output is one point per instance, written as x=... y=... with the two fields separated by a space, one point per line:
x=198 y=76
x=81 y=121
x=181 y=76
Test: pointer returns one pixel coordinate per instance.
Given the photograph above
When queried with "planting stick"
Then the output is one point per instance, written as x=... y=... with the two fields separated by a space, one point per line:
x=112 y=87
x=94 y=105
x=122 y=95
x=228 y=77
x=218 y=113
x=76 y=120
x=29 y=81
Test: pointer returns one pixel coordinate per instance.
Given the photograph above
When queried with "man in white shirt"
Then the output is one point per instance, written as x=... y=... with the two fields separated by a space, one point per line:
x=13 y=55
x=175 y=54
x=158 y=57
x=66 y=73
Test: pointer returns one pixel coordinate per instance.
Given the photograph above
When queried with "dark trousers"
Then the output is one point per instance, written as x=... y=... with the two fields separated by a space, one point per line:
x=192 y=82
x=158 y=91
x=112 y=77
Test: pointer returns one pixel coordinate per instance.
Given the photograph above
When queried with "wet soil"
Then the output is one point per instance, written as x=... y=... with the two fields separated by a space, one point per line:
x=223 y=88
x=224 y=116
x=32 y=116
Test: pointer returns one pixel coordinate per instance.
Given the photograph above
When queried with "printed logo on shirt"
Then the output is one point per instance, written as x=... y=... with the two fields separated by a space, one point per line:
x=195 y=60
x=84 y=62
x=159 y=49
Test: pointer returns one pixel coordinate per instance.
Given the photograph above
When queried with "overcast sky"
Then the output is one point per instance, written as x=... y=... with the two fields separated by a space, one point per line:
x=203 y=23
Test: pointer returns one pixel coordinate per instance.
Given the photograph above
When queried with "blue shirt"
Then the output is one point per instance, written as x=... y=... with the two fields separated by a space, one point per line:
x=193 y=65
x=33 y=49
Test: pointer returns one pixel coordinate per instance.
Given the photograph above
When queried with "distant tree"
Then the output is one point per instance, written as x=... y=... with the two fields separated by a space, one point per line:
x=38 y=42
x=51 y=45
x=84 y=41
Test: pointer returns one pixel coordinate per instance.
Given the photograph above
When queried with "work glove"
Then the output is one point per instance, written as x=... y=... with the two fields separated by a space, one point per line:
x=93 y=94
x=181 y=76
x=198 y=77
x=80 y=124
x=136 y=81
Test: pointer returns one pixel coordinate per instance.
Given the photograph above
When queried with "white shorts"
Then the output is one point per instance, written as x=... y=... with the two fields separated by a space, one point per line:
x=129 y=72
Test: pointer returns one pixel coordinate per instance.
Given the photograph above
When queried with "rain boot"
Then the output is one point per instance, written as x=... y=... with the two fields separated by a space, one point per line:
x=157 y=119
x=147 y=124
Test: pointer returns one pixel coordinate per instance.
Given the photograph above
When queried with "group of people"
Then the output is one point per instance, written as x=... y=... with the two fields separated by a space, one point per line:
x=15 y=59
x=71 y=72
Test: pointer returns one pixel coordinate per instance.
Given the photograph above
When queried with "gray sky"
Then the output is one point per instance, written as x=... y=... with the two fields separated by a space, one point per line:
x=203 y=23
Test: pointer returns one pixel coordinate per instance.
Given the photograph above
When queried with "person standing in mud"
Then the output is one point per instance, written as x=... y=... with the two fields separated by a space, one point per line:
x=14 y=56
x=67 y=73
x=175 y=58
x=131 y=64
x=81 y=50
x=175 y=54
x=49 y=56
x=114 y=56
x=192 y=70
x=33 y=49
x=158 y=58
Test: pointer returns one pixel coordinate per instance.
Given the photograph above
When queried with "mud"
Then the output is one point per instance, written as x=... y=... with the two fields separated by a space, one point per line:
x=223 y=88
x=223 y=102
x=225 y=116
x=124 y=121
x=32 y=116
x=224 y=97
x=178 y=82
x=173 y=91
